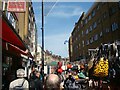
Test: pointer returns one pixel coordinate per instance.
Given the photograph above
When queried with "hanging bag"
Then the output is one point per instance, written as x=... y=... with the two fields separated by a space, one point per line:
x=101 y=68
x=101 y=65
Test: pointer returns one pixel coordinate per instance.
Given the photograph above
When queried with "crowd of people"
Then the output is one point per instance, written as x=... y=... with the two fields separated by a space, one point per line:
x=35 y=82
x=102 y=72
x=74 y=78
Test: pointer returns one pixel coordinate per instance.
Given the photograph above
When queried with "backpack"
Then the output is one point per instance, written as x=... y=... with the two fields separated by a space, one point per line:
x=19 y=87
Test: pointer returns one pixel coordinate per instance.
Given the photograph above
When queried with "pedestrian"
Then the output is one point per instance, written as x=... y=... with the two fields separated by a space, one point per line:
x=38 y=82
x=32 y=79
x=20 y=83
x=32 y=74
x=52 y=82
x=68 y=83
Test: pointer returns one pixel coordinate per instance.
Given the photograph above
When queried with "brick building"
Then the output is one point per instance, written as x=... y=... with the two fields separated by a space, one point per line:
x=101 y=24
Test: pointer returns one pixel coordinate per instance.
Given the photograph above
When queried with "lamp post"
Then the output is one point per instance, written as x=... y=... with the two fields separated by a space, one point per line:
x=42 y=41
x=65 y=42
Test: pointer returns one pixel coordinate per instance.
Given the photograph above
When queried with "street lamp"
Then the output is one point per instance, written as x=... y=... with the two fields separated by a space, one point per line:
x=65 y=42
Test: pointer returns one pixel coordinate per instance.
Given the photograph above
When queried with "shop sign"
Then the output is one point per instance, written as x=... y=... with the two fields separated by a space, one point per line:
x=16 y=6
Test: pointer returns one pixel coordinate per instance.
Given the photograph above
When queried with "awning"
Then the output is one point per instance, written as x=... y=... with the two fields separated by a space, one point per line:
x=9 y=37
x=16 y=50
x=53 y=63
x=13 y=50
x=9 y=34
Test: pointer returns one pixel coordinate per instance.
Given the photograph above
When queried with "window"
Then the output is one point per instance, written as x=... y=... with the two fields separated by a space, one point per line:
x=86 y=21
x=91 y=39
x=104 y=15
x=96 y=37
x=94 y=25
x=93 y=13
x=87 y=42
x=89 y=17
x=7 y=14
x=119 y=4
x=76 y=38
x=99 y=20
x=90 y=28
x=87 y=31
x=107 y=30
x=77 y=47
x=82 y=33
x=11 y=19
x=77 y=30
x=114 y=26
x=81 y=23
x=83 y=43
x=98 y=7
x=101 y=34
x=113 y=10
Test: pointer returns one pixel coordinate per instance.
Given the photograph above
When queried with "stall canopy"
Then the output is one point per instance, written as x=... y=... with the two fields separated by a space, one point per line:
x=53 y=63
x=12 y=39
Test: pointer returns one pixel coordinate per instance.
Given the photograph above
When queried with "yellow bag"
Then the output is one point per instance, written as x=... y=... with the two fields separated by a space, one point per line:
x=101 y=68
x=75 y=77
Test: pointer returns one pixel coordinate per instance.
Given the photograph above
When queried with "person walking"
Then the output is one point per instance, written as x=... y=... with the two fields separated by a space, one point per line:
x=38 y=82
x=20 y=83
x=32 y=74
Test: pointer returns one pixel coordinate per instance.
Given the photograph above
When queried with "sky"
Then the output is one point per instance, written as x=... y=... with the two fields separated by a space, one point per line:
x=59 y=22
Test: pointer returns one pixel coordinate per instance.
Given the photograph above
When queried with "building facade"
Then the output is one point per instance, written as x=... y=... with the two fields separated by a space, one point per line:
x=101 y=24
x=28 y=29
x=19 y=36
x=70 y=49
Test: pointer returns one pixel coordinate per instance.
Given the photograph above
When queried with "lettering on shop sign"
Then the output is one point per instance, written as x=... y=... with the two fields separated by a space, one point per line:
x=16 y=6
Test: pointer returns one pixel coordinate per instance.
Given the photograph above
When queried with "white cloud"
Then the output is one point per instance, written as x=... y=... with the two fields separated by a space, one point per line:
x=55 y=43
x=72 y=11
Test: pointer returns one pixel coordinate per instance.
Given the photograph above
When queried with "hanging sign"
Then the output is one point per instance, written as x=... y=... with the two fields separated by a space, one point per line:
x=16 y=6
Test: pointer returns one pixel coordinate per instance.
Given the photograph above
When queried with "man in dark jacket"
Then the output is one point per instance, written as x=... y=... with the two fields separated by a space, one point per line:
x=38 y=82
x=32 y=74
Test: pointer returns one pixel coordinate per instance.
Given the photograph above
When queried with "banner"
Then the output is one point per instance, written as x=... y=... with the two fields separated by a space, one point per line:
x=16 y=6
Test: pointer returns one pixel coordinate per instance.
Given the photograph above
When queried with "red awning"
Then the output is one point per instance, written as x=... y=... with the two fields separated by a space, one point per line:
x=15 y=44
x=13 y=50
x=17 y=50
x=9 y=35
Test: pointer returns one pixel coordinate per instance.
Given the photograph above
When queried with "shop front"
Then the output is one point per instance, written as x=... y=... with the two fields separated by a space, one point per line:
x=15 y=54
